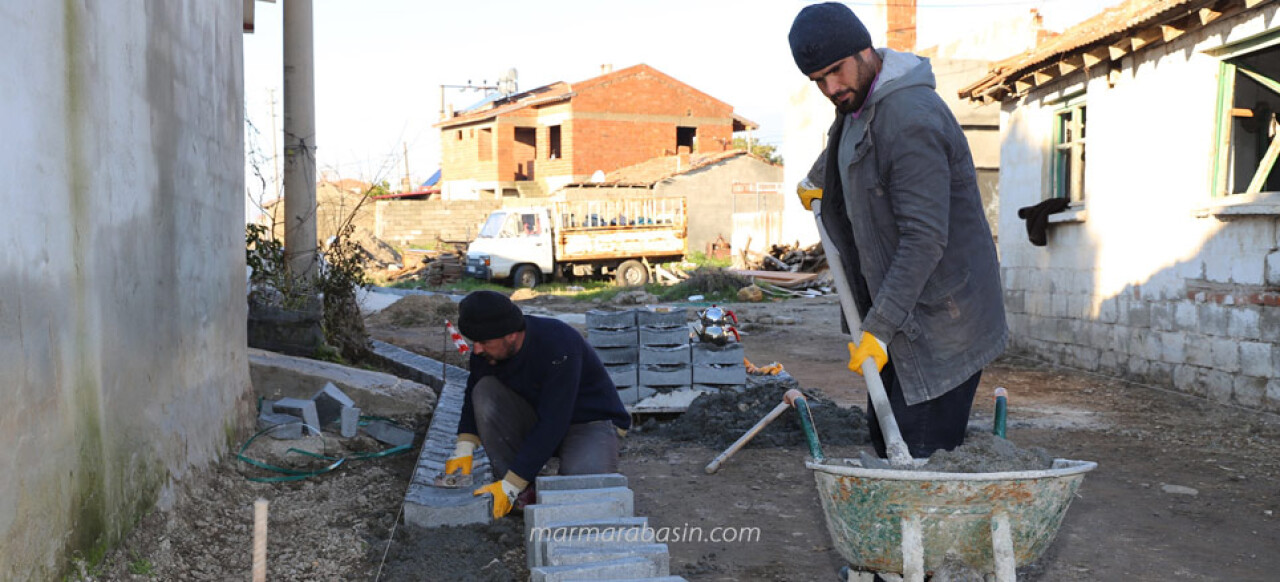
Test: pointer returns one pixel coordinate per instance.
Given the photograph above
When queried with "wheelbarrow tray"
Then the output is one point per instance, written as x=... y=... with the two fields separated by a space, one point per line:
x=949 y=513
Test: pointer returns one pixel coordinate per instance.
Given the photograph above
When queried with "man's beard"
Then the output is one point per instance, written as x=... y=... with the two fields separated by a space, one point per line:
x=847 y=107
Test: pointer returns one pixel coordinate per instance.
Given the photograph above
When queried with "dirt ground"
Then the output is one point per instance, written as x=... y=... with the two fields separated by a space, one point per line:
x=1185 y=489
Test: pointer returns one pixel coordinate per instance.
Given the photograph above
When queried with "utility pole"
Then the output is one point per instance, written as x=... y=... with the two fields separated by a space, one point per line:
x=275 y=147
x=407 y=185
x=299 y=139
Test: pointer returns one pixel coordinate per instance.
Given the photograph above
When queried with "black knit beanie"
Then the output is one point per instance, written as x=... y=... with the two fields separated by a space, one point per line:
x=485 y=315
x=825 y=33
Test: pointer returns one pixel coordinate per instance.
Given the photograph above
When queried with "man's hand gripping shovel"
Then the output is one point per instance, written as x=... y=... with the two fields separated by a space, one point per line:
x=899 y=455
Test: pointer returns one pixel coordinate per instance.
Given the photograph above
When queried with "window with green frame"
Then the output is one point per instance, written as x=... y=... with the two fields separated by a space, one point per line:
x=1248 y=133
x=1068 y=151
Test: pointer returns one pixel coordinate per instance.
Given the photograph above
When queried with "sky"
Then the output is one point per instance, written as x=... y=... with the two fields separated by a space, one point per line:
x=380 y=63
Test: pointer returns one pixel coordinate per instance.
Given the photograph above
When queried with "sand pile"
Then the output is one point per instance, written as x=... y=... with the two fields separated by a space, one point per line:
x=717 y=420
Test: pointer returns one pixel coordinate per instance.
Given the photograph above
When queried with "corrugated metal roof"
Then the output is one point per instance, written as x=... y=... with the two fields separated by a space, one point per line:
x=1101 y=30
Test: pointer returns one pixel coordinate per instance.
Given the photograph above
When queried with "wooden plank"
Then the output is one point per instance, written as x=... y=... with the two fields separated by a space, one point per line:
x=1023 y=85
x=1045 y=75
x=1208 y=15
x=1096 y=56
x=1263 y=80
x=1241 y=112
x=1119 y=50
x=1264 y=167
x=1070 y=65
x=1169 y=32
x=1144 y=38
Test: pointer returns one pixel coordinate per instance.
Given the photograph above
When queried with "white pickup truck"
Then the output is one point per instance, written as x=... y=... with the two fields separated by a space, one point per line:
x=580 y=238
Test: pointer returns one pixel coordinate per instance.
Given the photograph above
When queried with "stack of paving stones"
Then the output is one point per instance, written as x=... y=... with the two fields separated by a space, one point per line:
x=614 y=336
x=426 y=505
x=289 y=418
x=583 y=527
x=718 y=368
x=664 y=352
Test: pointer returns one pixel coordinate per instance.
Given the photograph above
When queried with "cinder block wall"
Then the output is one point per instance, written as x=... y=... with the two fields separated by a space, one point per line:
x=421 y=222
x=122 y=297
x=1147 y=283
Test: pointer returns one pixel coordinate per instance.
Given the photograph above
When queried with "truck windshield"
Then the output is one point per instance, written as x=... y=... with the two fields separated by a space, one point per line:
x=493 y=225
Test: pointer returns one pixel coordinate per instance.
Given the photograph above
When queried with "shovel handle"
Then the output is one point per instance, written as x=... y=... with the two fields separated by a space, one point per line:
x=899 y=454
x=714 y=465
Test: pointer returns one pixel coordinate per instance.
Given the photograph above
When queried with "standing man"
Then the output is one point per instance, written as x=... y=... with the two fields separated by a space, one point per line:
x=905 y=214
x=536 y=389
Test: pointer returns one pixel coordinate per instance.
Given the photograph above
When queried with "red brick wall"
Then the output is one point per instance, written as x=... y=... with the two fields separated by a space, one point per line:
x=612 y=122
x=902 y=25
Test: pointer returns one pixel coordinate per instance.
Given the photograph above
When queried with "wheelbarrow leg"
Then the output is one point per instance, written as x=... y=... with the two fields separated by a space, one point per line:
x=1002 y=546
x=912 y=549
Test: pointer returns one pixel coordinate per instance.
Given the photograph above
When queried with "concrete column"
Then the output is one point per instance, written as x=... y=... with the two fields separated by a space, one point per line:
x=299 y=139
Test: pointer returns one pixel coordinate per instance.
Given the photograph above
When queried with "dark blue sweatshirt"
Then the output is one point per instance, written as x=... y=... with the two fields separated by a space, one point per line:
x=561 y=377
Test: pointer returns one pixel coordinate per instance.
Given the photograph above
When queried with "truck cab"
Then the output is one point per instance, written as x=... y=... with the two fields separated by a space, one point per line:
x=514 y=243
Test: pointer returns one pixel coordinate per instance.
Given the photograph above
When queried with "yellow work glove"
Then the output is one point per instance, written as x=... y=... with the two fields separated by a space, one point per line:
x=868 y=347
x=504 y=496
x=461 y=459
x=808 y=193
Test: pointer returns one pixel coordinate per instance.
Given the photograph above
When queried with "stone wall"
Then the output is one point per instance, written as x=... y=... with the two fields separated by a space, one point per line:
x=421 y=223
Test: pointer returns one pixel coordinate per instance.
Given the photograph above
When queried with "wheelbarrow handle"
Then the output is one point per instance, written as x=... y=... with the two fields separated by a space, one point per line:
x=899 y=454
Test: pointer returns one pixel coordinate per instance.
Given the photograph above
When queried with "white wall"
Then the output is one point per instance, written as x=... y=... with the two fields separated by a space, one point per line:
x=1118 y=290
x=122 y=299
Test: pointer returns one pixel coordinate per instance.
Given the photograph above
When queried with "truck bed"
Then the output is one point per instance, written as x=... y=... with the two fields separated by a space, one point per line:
x=617 y=229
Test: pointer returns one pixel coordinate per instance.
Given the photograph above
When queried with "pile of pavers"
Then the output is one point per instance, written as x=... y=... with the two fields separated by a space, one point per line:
x=291 y=418
x=649 y=354
x=583 y=527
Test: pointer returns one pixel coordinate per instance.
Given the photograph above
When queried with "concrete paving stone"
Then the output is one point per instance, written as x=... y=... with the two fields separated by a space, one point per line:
x=304 y=409
x=632 y=530
x=622 y=355
x=539 y=515
x=388 y=433
x=602 y=319
x=607 y=570
x=567 y=554
x=623 y=375
x=566 y=496
x=350 y=421
x=660 y=336
x=577 y=482
x=284 y=426
x=329 y=403
x=675 y=317
x=665 y=375
x=706 y=354
x=610 y=338
x=629 y=395
x=720 y=374
x=678 y=354
x=428 y=507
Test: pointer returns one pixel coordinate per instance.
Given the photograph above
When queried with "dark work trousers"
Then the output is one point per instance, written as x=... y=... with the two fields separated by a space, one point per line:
x=504 y=418
x=928 y=426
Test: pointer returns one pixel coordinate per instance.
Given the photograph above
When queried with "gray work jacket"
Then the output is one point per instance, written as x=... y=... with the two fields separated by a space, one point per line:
x=912 y=233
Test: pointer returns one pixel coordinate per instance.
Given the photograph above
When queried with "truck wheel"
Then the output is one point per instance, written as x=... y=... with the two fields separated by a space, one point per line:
x=526 y=276
x=632 y=274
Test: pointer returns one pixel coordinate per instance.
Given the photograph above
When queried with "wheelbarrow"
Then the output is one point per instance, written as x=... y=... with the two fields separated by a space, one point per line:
x=911 y=522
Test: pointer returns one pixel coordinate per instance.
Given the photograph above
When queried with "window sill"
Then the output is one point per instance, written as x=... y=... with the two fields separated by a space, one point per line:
x=1260 y=204
x=1073 y=214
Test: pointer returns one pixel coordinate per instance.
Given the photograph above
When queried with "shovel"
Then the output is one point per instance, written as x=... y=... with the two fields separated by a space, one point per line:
x=899 y=455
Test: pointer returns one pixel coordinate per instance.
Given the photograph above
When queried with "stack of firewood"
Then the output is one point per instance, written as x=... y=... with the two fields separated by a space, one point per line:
x=444 y=269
